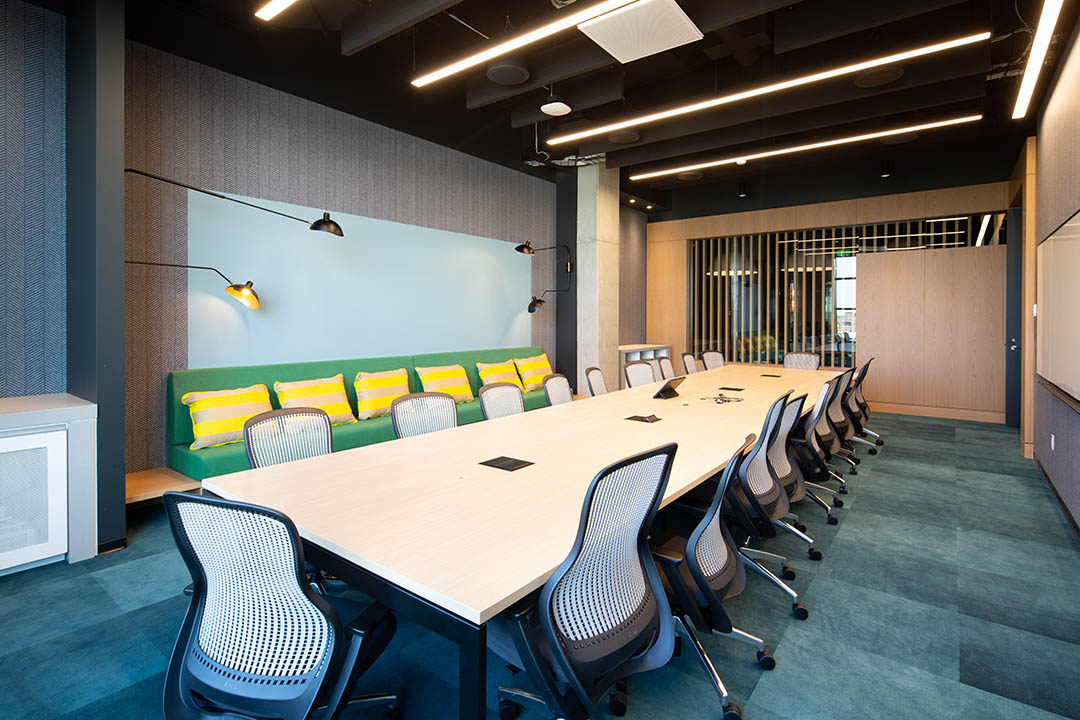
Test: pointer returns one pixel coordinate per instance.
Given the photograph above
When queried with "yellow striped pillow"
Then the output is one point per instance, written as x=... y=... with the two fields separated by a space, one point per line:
x=498 y=372
x=218 y=416
x=327 y=394
x=533 y=371
x=450 y=379
x=376 y=390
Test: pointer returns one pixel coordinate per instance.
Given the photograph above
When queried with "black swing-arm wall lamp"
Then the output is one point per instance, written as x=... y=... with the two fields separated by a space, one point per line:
x=244 y=293
x=323 y=224
x=526 y=248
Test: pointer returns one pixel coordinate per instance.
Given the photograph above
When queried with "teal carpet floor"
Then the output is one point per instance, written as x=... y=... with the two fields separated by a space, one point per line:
x=949 y=589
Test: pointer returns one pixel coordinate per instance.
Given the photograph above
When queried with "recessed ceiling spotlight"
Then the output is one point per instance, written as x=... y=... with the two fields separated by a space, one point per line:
x=811 y=146
x=565 y=22
x=775 y=87
x=555 y=106
x=740 y=161
x=879 y=76
x=1036 y=56
x=691 y=175
x=632 y=201
x=272 y=8
x=624 y=137
x=648 y=207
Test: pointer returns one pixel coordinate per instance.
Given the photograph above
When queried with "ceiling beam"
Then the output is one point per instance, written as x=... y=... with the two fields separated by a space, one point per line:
x=963 y=90
x=376 y=21
x=593 y=91
x=809 y=25
x=964 y=62
x=581 y=55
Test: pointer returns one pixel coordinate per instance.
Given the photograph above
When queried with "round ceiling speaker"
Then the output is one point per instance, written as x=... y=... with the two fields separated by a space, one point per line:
x=877 y=77
x=624 y=136
x=691 y=175
x=507 y=71
x=898 y=139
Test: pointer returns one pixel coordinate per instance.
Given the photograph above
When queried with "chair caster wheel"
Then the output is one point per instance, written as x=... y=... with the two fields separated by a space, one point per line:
x=873 y=451
x=842 y=490
x=837 y=502
x=879 y=442
x=800 y=527
x=787 y=573
x=617 y=703
x=678 y=646
x=732 y=712
x=766 y=660
x=799 y=611
x=857 y=460
x=814 y=553
x=853 y=471
x=832 y=521
x=508 y=710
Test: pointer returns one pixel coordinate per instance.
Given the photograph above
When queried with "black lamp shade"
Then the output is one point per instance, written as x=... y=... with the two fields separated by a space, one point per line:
x=325 y=224
x=244 y=294
x=536 y=304
x=525 y=248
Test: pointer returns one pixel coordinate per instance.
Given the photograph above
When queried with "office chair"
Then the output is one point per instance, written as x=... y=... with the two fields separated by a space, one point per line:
x=784 y=464
x=838 y=444
x=705 y=569
x=257 y=642
x=760 y=490
x=557 y=389
x=817 y=435
x=712 y=360
x=500 y=399
x=603 y=616
x=285 y=435
x=802 y=360
x=423 y=412
x=667 y=370
x=638 y=373
x=594 y=378
x=856 y=414
x=689 y=363
x=860 y=400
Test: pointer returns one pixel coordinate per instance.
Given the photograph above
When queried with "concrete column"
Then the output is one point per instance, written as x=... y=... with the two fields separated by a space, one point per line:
x=598 y=273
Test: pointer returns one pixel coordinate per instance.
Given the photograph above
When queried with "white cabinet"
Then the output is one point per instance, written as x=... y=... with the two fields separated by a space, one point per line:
x=33 y=497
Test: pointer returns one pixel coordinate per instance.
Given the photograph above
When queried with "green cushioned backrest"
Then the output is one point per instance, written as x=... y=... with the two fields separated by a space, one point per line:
x=468 y=360
x=185 y=381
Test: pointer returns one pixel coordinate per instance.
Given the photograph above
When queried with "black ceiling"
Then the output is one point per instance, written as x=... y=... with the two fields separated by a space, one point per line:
x=746 y=44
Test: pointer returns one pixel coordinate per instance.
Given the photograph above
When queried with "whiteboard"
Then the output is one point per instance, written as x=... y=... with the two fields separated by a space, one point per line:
x=1058 y=296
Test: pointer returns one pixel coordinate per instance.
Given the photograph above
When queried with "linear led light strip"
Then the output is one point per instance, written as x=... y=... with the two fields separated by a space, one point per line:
x=563 y=23
x=272 y=8
x=767 y=89
x=1037 y=55
x=810 y=146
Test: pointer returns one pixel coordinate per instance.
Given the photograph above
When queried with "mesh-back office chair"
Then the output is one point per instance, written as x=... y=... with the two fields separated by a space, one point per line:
x=594 y=378
x=689 y=363
x=817 y=436
x=500 y=399
x=281 y=436
x=860 y=400
x=855 y=413
x=557 y=389
x=603 y=615
x=712 y=360
x=802 y=360
x=667 y=370
x=705 y=569
x=423 y=412
x=842 y=430
x=257 y=642
x=787 y=469
x=638 y=373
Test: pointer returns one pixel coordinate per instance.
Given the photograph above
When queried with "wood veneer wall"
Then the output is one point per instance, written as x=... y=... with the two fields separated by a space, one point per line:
x=934 y=320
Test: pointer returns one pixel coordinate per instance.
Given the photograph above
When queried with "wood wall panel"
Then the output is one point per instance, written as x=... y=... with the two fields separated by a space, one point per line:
x=890 y=325
x=665 y=282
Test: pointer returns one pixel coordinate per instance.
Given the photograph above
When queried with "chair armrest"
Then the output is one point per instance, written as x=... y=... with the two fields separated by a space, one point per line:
x=689 y=508
x=667 y=554
x=369 y=618
x=522 y=608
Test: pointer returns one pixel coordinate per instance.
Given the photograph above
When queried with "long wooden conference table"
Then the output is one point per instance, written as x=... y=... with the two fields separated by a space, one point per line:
x=421 y=526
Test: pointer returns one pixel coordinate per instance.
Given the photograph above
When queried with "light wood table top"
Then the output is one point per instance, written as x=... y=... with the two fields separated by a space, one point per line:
x=423 y=514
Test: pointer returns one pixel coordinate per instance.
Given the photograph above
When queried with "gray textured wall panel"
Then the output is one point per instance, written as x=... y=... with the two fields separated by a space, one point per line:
x=1052 y=416
x=631 y=276
x=1058 y=147
x=33 y=288
x=208 y=128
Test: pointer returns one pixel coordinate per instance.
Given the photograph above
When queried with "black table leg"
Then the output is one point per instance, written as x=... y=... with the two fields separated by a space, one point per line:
x=472 y=675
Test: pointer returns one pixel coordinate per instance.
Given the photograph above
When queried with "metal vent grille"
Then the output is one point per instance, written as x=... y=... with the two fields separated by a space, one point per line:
x=641 y=29
x=24 y=498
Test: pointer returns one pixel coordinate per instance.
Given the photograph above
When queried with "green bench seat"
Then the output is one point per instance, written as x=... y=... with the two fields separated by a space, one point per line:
x=209 y=462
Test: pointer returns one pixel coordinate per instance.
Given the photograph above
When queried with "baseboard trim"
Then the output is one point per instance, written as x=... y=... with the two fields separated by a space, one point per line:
x=1064 y=510
x=988 y=416
x=111 y=545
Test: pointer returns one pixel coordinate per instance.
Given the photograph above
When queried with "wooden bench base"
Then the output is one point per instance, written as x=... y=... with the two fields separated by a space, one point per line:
x=151 y=484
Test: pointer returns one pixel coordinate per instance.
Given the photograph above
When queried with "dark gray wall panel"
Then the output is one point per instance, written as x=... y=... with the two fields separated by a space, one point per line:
x=1058 y=146
x=631 y=276
x=1052 y=416
x=33 y=293
x=208 y=128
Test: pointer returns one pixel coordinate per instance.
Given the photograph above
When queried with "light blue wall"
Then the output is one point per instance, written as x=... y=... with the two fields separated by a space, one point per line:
x=384 y=289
